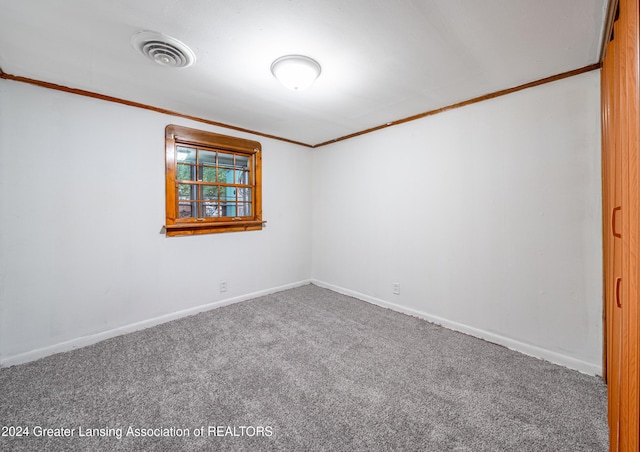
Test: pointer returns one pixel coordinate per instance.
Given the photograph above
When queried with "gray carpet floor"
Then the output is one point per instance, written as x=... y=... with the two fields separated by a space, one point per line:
x=301 y=370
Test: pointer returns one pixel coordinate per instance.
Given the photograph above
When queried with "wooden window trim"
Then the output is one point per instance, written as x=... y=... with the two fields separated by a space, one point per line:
x=176 y=226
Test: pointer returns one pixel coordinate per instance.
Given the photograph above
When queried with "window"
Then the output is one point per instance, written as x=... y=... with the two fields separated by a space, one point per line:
x=213 y=182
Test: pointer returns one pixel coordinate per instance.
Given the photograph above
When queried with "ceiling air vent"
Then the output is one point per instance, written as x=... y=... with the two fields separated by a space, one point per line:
x=162 y=49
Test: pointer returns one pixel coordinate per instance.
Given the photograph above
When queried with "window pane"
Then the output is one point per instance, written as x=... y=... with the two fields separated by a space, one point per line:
x=244 y=209
x=225 y=176
x=187 y=191
x=228 y=209
x=242 y=169
x=187 y=209
x=244 y=194
x=225 y=165
x=207 y=173
x=211 y=209
x=225 y=159
x=228 y=193
x=207 y=158
x=242 y=177
x=242 y=162
x=185 y=172
x=186 y=154
x=210 y=192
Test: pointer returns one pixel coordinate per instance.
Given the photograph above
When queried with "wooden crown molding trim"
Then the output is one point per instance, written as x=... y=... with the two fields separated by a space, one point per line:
x=503 y=92
x=493 y=95
x=81 y=92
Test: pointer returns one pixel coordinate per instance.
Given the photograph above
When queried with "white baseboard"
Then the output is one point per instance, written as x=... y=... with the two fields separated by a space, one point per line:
x=83 y=341
x=527 y=349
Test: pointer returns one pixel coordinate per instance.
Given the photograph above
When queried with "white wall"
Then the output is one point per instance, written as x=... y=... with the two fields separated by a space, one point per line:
x=81 y=208
x=488 y=216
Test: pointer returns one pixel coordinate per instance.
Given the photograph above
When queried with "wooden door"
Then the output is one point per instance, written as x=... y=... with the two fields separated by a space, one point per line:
x=611 y=165
x=627 y=294
x=621 y=223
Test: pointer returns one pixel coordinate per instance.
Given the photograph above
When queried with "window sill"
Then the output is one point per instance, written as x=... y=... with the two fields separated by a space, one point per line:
x=173 y=230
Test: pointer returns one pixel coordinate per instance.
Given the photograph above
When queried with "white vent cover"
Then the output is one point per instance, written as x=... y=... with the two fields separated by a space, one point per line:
x=162 y=49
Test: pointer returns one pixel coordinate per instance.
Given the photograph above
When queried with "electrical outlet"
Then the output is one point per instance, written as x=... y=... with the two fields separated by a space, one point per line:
x=223 y=286
x=396 y=288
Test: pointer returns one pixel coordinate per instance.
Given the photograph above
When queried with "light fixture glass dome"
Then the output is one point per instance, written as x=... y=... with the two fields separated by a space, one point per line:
x=296 y=72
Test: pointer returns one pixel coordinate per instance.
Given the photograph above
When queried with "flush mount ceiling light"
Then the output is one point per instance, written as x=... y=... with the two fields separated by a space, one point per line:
x=296 y=72
x=162 y=49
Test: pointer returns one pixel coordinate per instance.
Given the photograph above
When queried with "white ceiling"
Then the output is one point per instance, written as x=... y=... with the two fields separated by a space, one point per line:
x=382 y=60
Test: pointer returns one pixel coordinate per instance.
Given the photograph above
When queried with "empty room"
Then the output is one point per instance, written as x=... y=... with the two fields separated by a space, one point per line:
x=319 y=225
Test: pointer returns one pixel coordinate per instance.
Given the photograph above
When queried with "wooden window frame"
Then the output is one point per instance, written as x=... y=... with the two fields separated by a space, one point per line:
x=176 y=226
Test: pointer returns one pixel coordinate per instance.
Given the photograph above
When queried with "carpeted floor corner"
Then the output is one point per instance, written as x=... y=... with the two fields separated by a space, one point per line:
x=301 y=370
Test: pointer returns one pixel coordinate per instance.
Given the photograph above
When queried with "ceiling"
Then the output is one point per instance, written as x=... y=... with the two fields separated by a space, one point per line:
x=381 y=60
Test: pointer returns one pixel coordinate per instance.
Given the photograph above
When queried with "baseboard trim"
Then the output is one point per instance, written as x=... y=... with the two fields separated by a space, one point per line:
x=527 y=349
x=83 y=341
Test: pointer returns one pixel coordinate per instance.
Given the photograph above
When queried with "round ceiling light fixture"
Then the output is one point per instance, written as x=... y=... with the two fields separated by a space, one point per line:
x=163 y=49
x=296 y=72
